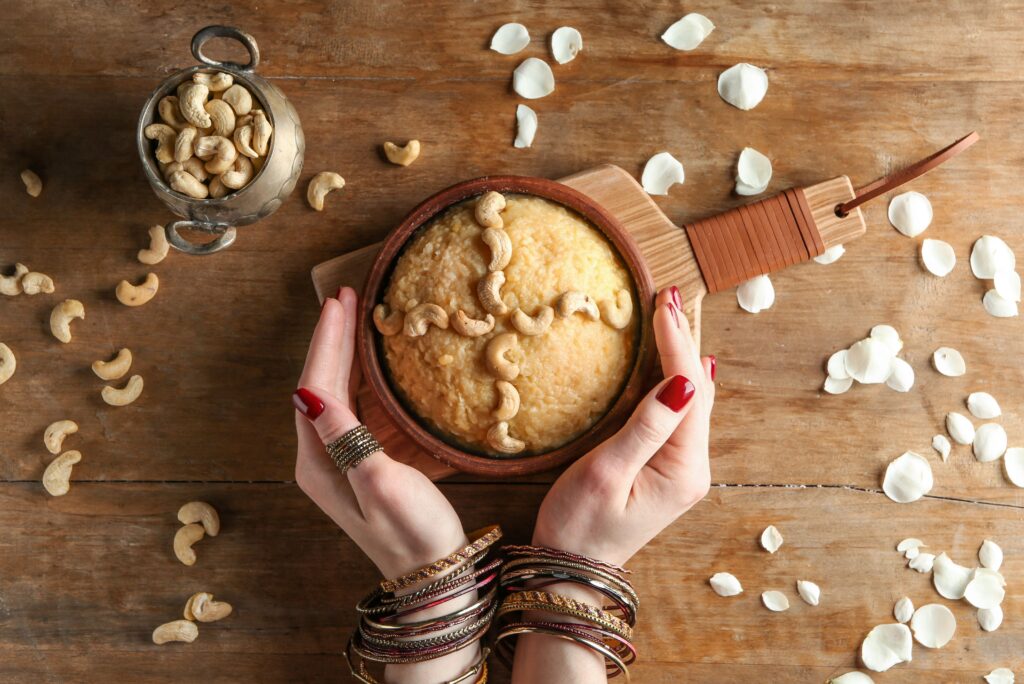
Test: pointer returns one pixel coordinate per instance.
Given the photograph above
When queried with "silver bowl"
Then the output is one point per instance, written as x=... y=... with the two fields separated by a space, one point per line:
x=269 y=187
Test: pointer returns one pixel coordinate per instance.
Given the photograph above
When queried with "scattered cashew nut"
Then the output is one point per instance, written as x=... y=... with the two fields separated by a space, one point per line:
x=323 y=183
x=187 y=184
x=402 y=156
x=501 y=248
x=508 y=400
x=57 y=476
x=203 y=608
x=184 y=538
x=222 y=116
x=533 y=325
x=33 y=283
x=499 y=439
x=200 y=512
x=8 y=364
x=489 y=292
x=115 y=368
x=472 y=327
x=33 y=184
x=499 y=364
x=124 y=396
x=137 y=295
x=55 y=433
x=262 y=131
x=10 y=285
x=219 y=152
x=240 y=173
x=216 y=83
x=489 y=208
x=618 y=313
x=178 y=630
x=239 y=98
x=166 y=138
x=158 y=247
x=387 y=323
x=572 y=301
x=61 y=317
x=421 y=317
x=192 y=101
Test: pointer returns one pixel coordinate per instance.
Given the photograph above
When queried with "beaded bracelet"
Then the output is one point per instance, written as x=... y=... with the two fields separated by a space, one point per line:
x=480 y=540
x=563 y=605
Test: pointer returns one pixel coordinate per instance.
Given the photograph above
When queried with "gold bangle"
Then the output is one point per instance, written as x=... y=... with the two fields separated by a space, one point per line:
x=477 y=668
x=482 y=539
x=601 y=648
x=563 y=605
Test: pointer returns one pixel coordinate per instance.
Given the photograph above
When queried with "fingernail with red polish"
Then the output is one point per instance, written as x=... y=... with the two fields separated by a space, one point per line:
x=676 y=299
x=677 y=393
x=713 y=360
x=674 y=312
x=307 y=403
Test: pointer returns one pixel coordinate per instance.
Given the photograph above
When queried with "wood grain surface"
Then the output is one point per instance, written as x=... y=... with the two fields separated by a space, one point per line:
x=856 y=88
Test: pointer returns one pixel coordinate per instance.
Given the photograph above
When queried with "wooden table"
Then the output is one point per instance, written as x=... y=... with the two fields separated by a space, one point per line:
x=856 y=88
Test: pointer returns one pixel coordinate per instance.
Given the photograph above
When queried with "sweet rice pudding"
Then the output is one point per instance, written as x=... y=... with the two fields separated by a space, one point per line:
x=508 y=325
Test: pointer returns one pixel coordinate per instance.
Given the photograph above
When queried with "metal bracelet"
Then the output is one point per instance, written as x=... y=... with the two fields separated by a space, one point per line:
x=623 y=603
x=599 y=647
x=482 y=539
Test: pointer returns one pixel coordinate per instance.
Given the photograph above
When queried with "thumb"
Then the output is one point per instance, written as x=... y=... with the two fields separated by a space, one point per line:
x=328 y=415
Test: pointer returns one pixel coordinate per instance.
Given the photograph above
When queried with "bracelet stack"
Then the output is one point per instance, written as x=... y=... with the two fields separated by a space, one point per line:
x=606 y=629
x=392 y=628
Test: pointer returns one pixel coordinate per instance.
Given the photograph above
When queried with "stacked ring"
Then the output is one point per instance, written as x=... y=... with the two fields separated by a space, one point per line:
x=352 y=448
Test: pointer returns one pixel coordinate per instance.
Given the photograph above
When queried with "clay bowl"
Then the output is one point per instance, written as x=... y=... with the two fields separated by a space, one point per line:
x=371 y=353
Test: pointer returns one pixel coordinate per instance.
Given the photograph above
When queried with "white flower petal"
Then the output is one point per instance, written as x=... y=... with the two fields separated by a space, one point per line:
x=950 y=579
x=889 y=336
x=756 y=295
x=661 y=172
x=909 y=543
x=910 y=213
x=1013 y=464
x=749 y=190
x=949 y=362
x=743 y=85
x=1000 y=675
x=510 y=39
x=533 y=79
x=771 y=539
x=990 y=555
x=934 y=625
x=990 y=618
x=989 y=256
x=753 y=170
x=999 y=307
x=985 y=590
x=852 y=678
x=830 y=256
x=912 y=553
x=885 y=646
x=960 y=428
x=903 y=610
x=775 y=601
x=836 y=366
x=902 y=377
x=989 y=442
x=526 y=126
x=1007 y=285
x=566 y=43
x=869 y=361
x=725 y=584
x=836 y=386
x=941 y=445
x=938 y=257
x=983 y=405
x=809 y=592
x=923 y=562
x=688 y=32
x=907 y=478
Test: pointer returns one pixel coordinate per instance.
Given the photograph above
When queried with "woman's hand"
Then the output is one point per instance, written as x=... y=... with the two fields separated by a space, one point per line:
x=614 y=500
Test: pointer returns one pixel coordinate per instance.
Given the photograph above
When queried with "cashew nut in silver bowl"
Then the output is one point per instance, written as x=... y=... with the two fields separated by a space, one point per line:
x=268 y=187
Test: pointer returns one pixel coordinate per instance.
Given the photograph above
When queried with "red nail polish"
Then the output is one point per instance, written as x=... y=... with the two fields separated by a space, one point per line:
x=307 y=403
x=674 y=312
x=677 y=393
x=676 y=299
x=713 y=360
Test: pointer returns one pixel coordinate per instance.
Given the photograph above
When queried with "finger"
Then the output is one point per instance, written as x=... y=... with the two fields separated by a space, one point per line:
x=347 y=352
x=321 y=366
x=676 y=347
x=329 y=416
x=710 y=363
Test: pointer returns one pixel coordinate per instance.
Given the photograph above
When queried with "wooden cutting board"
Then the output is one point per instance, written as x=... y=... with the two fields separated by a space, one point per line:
x=664 y=246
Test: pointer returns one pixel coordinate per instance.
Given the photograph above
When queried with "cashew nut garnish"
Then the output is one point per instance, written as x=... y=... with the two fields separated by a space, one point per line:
x=57 y=476
x=33 y=184
x=158 y=247
x=242 y=137
x=54 y=436
x=192 y=101
x=200 y=512
x=533 y=325
x=33 y=283
x=194 y=167
x=168 y=110
x=184 y=143
x=261 y=132
x=239 y=98
x=388 y=323
x=572 y=301
x=179 y=630
x=618 y=313
x=184 y=538
x=10 y=285
x=217 y=82
x=472 y=327
x=8 y=363
x=322 y=183
x=124 y=396
x=499 y=364
x=239 y=174
x=402 y=156
x=501 y=248
x=61 y=317
x=489 y=292
x=508 y=400
x=222 y=116
x=489 y=208
x=219 y=152
x=421 y=317
x=187 y=184
x=137 y=295
x=501 y=441
x=165 y=137
x=203 y=608
x=115 y=368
